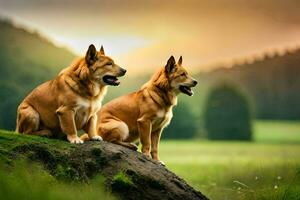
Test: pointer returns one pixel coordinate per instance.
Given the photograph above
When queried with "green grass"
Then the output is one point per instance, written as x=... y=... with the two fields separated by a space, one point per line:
x=266 y=169
x=277 y=131
x=30 y=181
x=235 y=170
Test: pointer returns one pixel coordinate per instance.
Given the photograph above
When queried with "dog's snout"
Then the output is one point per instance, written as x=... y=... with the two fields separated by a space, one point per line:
x=195 y=82
x=123 y=71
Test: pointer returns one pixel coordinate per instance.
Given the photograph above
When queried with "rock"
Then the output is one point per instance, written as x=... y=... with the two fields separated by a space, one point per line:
x=128 y=174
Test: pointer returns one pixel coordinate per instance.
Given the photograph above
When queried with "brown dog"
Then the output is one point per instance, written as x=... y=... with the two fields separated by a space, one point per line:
x=144 y=114
x=70 y=101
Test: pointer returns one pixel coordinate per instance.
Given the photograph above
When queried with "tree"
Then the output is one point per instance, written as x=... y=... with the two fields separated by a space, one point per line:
x=183 y=124
x=227 y=114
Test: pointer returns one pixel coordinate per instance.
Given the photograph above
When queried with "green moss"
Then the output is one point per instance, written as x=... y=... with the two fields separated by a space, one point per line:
x=9 y=140
x=122 y=179
x=50 y=151
x=96 y=152
x=64 y=173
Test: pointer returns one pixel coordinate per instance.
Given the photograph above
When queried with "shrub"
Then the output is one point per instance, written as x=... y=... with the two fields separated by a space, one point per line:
x=183 y=124
x=227 y=114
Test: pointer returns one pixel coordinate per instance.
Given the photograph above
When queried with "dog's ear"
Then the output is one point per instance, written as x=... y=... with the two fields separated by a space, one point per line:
x=170 y=65
x=91 y=55
x=180 y=61
x=102 y=51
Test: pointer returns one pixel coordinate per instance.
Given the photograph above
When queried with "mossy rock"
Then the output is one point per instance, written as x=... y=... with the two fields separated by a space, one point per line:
x=128 y=174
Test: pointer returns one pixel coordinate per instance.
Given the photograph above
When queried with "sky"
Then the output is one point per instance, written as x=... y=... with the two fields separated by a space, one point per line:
x=142 y=34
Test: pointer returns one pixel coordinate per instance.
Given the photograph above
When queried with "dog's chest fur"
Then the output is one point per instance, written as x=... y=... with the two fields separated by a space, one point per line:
x=87 y=108
x=162 y=118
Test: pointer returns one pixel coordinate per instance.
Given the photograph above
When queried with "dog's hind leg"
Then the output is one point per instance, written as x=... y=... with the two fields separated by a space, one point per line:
x=28 y=121
x=43 y=132
x=131 y=146
x=116 y=132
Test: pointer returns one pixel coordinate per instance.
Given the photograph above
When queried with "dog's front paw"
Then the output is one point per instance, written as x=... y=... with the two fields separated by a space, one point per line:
x=148 y=155
x=75 y=140
x=161 y=163
x=97 y=138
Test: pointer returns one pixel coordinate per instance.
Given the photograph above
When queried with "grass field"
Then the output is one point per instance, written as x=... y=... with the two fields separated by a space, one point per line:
x=268 y=168
x=265 y=169
x=277 y=131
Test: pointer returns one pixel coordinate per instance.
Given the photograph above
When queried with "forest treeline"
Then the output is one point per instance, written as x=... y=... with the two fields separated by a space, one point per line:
x=272 y=83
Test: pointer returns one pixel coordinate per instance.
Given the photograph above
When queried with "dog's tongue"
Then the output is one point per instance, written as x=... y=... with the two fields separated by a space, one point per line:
x=113 y=80
x=187 y=90
x=117 y=82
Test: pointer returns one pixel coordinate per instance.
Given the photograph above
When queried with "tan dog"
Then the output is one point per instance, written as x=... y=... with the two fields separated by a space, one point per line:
x=145 y=113
x=70 y=101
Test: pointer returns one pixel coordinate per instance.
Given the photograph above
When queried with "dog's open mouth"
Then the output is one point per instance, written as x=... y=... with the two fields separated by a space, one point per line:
x=186 y=90
x=111 y=80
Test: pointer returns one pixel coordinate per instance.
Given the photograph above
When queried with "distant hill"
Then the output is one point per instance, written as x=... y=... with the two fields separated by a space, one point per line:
x=273 y=84
x=26 y=60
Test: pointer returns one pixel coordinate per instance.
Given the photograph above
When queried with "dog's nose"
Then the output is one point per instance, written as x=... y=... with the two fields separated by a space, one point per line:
x=195 y=82
x=123 y=71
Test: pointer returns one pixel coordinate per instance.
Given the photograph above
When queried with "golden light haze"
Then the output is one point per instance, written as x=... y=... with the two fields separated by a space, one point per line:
x=141 y=35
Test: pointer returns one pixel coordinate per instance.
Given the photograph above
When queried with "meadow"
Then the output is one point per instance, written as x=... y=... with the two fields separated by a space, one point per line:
x=268 y=168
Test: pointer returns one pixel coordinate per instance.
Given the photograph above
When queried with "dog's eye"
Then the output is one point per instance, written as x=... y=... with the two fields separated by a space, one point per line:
x=109 y=63
x=183 y=74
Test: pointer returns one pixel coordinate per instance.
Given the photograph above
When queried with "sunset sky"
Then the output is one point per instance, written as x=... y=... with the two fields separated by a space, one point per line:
x=141 y=35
